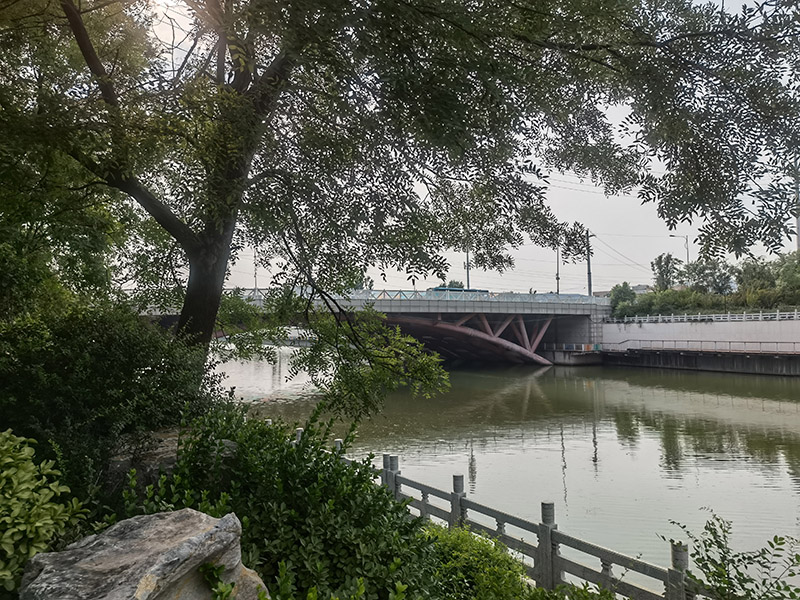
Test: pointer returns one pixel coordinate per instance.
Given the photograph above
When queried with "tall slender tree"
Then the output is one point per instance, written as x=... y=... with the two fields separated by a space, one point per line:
x=666 y=269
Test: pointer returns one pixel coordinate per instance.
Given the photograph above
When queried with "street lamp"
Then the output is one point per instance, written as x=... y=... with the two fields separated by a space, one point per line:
x=685 y=244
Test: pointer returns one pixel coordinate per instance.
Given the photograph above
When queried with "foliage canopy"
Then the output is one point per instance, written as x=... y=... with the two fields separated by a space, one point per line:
x=336 y=135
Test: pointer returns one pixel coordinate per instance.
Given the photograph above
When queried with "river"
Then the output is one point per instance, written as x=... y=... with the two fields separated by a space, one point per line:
x=621 y=452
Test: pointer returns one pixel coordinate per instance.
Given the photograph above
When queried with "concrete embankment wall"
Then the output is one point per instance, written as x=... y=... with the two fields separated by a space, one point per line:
x=763 y=347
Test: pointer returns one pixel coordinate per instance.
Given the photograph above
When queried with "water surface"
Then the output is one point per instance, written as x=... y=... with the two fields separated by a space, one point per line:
x=621 y=452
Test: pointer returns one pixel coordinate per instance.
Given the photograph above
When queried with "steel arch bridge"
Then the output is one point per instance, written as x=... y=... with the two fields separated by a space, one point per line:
x=479 y=325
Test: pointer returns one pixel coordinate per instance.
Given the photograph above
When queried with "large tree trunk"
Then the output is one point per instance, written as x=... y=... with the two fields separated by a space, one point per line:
x=207 y=269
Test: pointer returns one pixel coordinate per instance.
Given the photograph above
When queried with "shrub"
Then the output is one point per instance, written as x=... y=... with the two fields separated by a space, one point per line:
x=471 y=567
x=82 y=382
x=571 y=592
x=765 y=574
x=301 y=505
x=31 y=515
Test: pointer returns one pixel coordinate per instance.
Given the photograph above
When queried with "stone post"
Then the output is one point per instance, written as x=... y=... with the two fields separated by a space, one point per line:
x=391 y=476
x=385 y=471
x=549 y=573
x=298 y=435
x=458 y=513
x=676 y=575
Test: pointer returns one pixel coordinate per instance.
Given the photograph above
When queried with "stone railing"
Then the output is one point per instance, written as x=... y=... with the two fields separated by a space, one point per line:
x=544 y=562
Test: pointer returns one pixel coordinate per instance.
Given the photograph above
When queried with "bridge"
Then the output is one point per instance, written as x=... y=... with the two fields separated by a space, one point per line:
x=479 y=325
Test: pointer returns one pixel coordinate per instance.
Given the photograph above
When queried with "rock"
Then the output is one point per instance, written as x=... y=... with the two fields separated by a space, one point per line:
x=151 y=458
x=151 y=557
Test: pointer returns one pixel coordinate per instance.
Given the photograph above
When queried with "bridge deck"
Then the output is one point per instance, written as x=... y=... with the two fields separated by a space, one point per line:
x=433 y=302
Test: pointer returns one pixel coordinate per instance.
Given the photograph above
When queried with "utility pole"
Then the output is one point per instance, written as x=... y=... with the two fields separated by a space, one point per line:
x=466 y=264
x=256 y=293
x=797 y=204
x=558 y=270
x=589 y=262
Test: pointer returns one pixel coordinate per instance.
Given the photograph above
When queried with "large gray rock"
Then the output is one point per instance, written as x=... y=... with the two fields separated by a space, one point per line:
x=152 y=557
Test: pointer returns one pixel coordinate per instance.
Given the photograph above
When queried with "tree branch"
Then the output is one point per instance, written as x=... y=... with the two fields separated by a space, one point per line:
x=89 y=53
x=116 y=177
x=179 y=230
x=272 y=81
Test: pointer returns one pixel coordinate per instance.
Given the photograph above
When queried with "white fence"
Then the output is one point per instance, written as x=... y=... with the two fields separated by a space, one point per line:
x=725 y=317
x=256 y=296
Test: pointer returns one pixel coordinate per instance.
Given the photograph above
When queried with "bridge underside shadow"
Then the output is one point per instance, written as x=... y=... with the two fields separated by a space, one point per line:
x=478 y=337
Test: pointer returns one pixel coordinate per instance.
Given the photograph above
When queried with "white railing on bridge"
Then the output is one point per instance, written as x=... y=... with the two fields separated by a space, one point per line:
x=737 y=347
x=472 y=295
x=774 y=315
x=257 y=296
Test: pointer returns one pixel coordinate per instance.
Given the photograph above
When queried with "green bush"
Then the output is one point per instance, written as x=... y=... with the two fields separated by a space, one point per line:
x=769 y=573
x=31 y=513
x=83 y=382
x=301 y=505
x=471 y=567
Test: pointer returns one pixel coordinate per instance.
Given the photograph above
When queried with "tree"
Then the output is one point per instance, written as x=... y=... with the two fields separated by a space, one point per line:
x=755 y=273
x=710 y=276
x=787 y=268
x=665 y=271
x=621 y=293
x=308 y=128
x=454 y=283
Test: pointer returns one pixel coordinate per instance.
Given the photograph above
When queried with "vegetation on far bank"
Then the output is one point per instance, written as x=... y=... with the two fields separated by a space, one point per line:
x=713 y=286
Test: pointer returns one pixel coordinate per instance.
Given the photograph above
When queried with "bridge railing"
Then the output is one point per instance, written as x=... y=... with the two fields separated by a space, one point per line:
x=256 y=296
x=738 y=347
x=472 y=295
x=710 y=318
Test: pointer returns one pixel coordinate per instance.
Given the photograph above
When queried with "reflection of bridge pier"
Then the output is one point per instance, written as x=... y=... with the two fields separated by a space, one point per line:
x=485 y=326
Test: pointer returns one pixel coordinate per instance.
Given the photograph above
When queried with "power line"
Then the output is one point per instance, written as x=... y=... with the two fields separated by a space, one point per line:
x=633 y=235
x=630 y=260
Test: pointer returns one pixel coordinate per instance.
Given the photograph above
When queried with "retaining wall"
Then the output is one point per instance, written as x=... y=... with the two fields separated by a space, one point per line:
x=760 y=347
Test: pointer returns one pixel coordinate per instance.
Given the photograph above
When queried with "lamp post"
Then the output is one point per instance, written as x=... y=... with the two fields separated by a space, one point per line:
x=685 y=244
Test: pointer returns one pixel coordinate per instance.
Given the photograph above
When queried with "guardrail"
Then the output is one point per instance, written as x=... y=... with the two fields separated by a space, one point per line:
x=545 y=565
x=724 y=317
x=736 y=347
x=473 y=295
x=256 y=296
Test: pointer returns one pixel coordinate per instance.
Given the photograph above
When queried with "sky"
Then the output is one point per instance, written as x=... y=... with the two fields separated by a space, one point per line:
x=628 y=236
